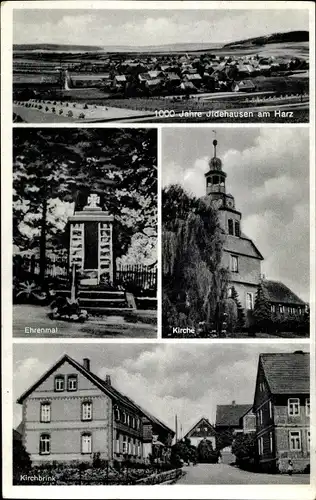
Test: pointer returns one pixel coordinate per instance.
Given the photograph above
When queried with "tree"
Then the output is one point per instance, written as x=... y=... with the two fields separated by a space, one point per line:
x=206 y=452
x=244 y=447
x=53 y=166
x=262 y=310
x=21 y=460
x=183 y=450
x=194 y=282
x=240 y=310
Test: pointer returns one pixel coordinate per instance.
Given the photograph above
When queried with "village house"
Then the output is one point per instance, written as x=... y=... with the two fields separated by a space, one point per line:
x=200 y=431
x=70 y=414
x=282 y=408
x=119 y=81
x=228 y=423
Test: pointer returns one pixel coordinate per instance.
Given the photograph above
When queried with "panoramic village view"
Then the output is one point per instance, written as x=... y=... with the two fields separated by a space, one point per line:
x=81 y=420
x=258 y=78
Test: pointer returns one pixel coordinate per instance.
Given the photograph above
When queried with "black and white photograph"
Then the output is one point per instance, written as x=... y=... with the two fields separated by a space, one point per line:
x=161 y=65
x=85 y=232
x=205 y=414
x=235 y=232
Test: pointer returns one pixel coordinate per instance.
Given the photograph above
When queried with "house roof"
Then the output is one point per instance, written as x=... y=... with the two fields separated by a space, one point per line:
x=202 y=421
x=109 y=390
x=121 y=78
x=194 y=76
x=286 y=373
x=279 y=293
x=229 y=415
x=241 y=246
x=155 y=81
x=246 y=84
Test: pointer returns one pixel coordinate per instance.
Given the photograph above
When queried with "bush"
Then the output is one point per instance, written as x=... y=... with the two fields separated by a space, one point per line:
x=47 y=108
x=53 y=110
x=70 y=113
x=86 y=106
x=61 y=111
x=82 y=115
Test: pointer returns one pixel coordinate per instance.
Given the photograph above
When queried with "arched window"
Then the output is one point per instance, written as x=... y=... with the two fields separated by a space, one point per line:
x=230 y=226
x=229 y=293
x=237 y=228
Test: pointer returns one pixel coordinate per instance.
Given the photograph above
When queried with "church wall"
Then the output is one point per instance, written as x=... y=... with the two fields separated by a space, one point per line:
x=224 y=215
x=249 y=269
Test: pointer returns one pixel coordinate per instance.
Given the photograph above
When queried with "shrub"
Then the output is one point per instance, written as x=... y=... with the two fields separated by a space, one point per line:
x=60 y=111
x=53 y=110
x=70 y=113
x=47 y=108
x=82 y=115
x=86 y=106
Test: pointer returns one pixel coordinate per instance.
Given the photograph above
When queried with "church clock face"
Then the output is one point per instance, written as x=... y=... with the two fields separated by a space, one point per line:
x=230 y=204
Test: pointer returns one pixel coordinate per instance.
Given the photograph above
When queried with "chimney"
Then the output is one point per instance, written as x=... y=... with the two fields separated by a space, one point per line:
x=234 y=403
x=86 y=364
x=107 y=379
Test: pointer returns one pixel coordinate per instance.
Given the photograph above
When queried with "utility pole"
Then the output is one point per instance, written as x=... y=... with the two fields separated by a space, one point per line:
x=176 y=427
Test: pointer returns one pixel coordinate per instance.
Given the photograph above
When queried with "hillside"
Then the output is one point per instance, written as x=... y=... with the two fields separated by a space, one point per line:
x=290 y=36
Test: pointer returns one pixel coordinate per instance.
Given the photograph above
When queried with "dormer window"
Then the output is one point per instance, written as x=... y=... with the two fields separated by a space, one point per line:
x=72 y=383
x=59 y=385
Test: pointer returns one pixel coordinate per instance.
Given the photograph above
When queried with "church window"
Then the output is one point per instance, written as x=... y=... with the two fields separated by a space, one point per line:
x=234 y=263
x=229 y=292
x=216 y=180
x=249 y=301
x=237 y=228
x=230 y=226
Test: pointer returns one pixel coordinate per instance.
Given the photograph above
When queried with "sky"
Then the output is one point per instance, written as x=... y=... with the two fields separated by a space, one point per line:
x=167 y=379
x=150 y=27
x=268 y=174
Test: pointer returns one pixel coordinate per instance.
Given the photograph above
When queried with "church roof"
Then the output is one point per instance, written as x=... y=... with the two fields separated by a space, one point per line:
x=287 y=373
x=241 y=246
x=280 y=293
x=229 y=415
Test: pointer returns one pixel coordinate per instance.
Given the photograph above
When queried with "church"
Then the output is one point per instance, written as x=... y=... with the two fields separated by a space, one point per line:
x=240 y=254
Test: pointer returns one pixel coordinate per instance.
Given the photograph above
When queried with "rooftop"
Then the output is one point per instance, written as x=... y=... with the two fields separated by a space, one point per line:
x=229 y=415
x=280 y=293
x=287 y=373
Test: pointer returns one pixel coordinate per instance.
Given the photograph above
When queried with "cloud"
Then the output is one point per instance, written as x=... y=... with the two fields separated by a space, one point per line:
x=140 y=27
x=269 y=177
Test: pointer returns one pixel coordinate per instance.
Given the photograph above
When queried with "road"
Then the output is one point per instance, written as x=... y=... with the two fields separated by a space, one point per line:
x=226 y=474
x=30 y=316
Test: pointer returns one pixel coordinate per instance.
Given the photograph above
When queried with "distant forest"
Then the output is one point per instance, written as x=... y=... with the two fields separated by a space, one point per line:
x=290 y=36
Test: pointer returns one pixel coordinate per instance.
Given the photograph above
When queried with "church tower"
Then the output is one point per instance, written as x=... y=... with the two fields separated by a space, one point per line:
x=240 y=255
x=216 y=188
